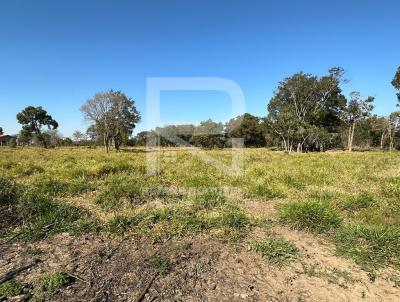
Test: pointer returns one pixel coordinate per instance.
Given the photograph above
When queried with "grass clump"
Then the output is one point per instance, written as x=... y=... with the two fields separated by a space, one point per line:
x=368 y=245
x=277 y=251
x=10 y=289
x=54 y=281
x=160 y=263
x=209 y=198
x=9 y=190
x=117 y=190
x=263 y=191
x=315 y=216
x=361 y=201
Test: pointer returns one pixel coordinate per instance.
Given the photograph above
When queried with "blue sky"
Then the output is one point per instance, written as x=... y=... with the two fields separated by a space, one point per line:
x=57 y=54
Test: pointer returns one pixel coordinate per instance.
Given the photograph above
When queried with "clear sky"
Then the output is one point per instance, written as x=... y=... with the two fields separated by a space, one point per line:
x=57 y=54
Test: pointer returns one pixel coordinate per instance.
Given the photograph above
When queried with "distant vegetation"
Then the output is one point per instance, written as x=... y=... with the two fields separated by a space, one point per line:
x=306 y=113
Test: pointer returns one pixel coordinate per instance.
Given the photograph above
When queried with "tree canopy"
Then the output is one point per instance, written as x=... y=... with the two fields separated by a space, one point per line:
x=33 y=119
x=113 y=116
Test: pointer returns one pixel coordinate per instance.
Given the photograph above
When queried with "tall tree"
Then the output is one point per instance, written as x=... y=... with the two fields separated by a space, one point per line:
x=33 y=119
x=303 y=103
x=1 y=131
x=393 y=127
x=396 y=83
x=358 y=108
x=113 y=116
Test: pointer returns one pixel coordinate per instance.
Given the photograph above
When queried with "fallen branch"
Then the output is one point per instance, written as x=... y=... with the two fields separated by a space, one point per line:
x=13 y=273
x=146 y=289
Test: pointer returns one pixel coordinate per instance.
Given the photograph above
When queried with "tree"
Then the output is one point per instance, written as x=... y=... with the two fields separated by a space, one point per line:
x=1 y=131
x=303 y=103
x=357 y=109
x=209 y=134
x=249 y=128
x=396 y=83
x=33 y=119
x=393 y=127
x=113 y=116
x=79 y=136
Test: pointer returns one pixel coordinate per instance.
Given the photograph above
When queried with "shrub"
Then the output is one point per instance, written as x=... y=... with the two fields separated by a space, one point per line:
x=277 y=251
x=368 y=245
x=315 y=216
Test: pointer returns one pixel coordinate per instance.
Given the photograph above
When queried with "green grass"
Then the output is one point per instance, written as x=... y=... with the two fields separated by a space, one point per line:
x=54 y=281
x=78 y=190
x=160 y=263
x=370 y=246
x=315 y=216
x=11 y=289
x=277 y=251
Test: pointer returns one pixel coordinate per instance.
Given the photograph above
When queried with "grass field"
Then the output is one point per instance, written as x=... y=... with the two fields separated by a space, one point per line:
x=346 y=202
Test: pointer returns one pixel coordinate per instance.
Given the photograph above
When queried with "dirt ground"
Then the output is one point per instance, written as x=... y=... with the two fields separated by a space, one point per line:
x=201 y=268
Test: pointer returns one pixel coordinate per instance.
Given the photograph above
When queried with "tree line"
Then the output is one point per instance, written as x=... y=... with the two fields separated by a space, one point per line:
x=306 y=113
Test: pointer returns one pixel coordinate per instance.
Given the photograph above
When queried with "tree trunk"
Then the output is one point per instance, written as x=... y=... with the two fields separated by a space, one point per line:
x=382 y=139
x=351 y=136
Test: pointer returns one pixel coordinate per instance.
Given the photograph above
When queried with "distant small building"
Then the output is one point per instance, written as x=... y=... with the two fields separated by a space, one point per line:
x=5 y=139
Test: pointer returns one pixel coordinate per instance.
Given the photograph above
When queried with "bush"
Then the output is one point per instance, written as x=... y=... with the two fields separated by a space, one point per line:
x=315 y=216
x=277 y=251
x=369 y=246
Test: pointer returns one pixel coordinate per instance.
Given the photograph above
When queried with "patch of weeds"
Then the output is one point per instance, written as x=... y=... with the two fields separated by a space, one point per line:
x=160 y=263
x=323 y=195
x=315 y=216
x=209 y=198
x=234 y=223
x=263 y=191
x=165 y=194
x=113 y=168
x=292 y=181
x=57 y=187
x=9 y=190
x=368 y=245
x=28 y=169
x=10 y=289
x=50 y=186
x=54 y=281
x=361 y=201
x=277 y=251
x=117 y=190
x=120 y=223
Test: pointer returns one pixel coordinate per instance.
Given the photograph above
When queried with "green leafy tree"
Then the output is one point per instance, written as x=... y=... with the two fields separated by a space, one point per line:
x=247 y=127
x=396 y=83
x=393 y=128
x=209 y=134
x=1 y=131
x=113 y=116
x=357 y=109
x=33 y=119
x=303 y=103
